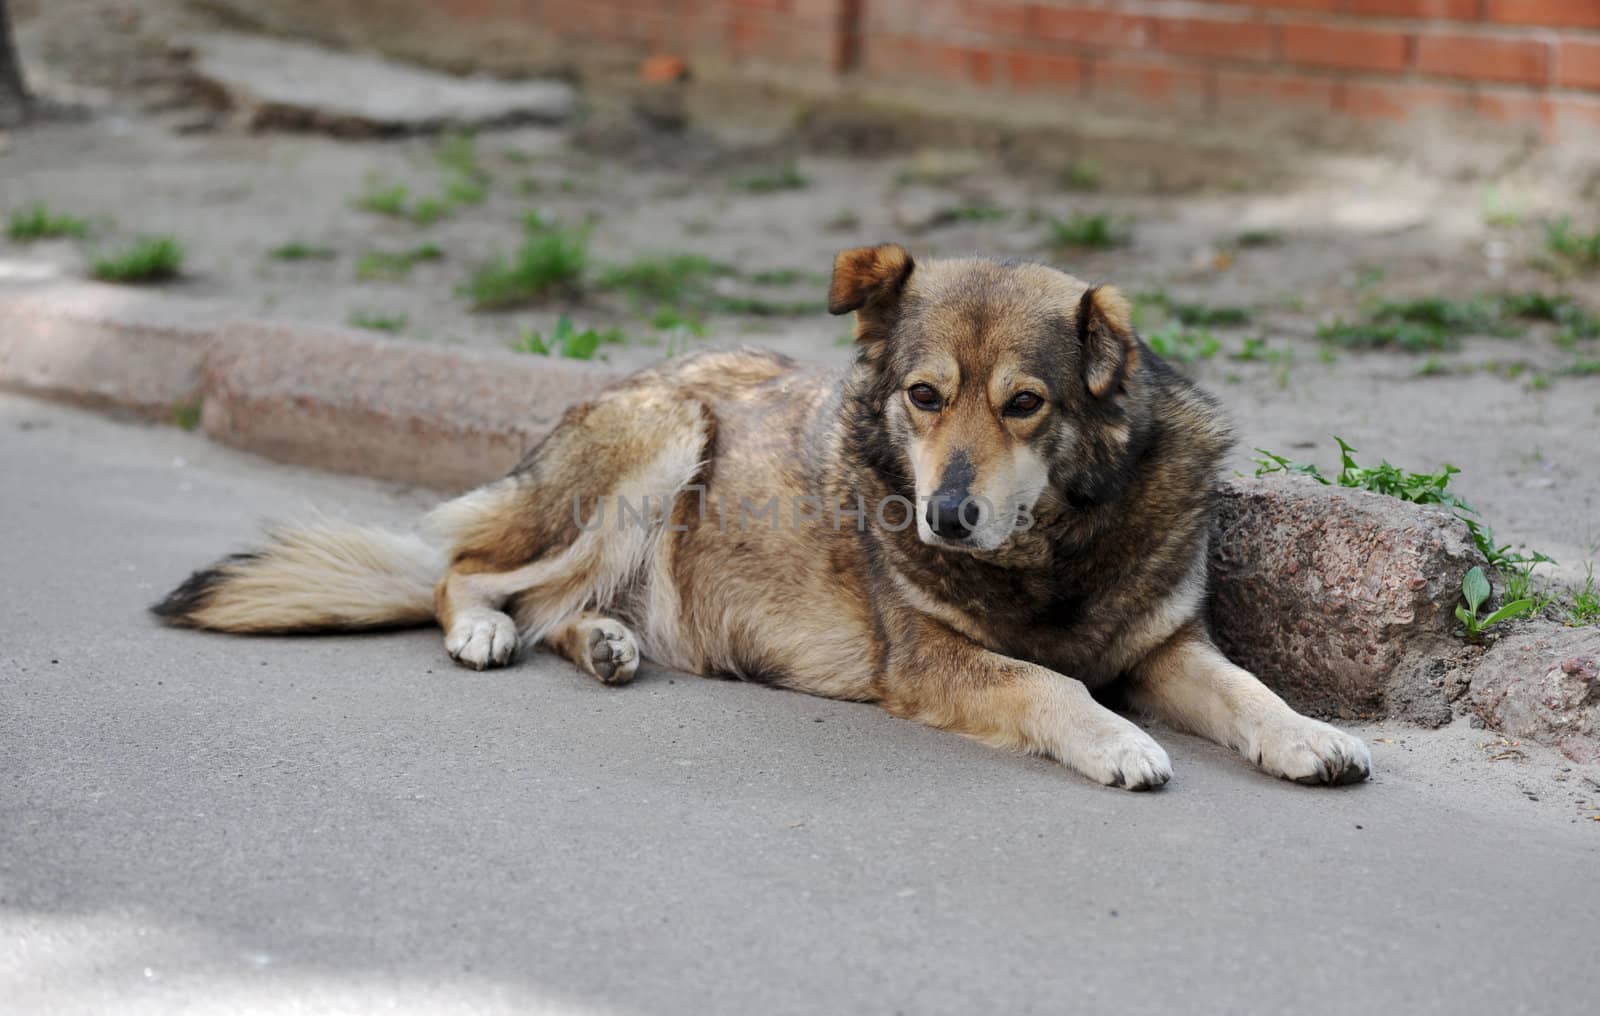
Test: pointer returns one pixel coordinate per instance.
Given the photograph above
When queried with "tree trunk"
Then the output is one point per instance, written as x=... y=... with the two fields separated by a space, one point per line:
x=15 y=103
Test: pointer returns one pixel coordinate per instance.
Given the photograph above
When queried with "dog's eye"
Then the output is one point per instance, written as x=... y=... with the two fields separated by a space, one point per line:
x=924 y=396
x=1025 y=404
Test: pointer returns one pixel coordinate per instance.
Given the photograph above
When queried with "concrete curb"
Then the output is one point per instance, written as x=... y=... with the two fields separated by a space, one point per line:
x=308 y=394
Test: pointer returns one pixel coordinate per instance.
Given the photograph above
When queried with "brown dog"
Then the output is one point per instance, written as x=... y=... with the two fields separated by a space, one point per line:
x=1003 y=503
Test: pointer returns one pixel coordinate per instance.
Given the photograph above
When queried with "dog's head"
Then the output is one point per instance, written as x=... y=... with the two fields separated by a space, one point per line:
x=994 y=382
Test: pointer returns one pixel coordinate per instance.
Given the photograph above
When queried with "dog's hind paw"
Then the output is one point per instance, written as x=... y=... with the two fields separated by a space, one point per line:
x=1309 y=751
x=613 y=655
x=1130 y=759
x=483 y=639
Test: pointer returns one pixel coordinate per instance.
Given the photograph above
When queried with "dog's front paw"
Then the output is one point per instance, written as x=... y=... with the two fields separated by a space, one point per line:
x=1309 y=751
x=482 y=640
x=1127 y=758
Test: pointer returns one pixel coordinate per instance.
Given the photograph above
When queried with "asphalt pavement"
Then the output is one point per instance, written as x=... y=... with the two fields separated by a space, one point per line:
x=210 y=824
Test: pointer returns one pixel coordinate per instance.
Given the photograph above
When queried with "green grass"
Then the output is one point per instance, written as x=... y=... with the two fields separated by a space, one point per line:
x=1575 y=245
x=1185 y=345
x=395 y=265
x=1082 y=175
x=1258 y=238
x=842 y=221
x=1415 y=487
x=1585 y=605
x=551 y=261
x=38 y=222
x=970 y=213
x=296 y=251
x=786 y=177
x=566 y=341
x=678 y=280
x=379 y=322
x=1434 y=324
x=1082 y=230
x=147 y=259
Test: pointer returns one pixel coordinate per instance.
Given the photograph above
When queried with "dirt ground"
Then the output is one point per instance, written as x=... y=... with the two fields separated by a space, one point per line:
x=1328 y=236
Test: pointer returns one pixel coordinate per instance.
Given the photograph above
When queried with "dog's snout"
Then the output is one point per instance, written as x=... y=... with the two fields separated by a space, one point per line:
x=953 y=516
x=951 y=511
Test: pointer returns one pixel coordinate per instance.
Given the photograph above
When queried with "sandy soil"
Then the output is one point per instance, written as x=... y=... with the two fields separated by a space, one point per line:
x=1344 y=230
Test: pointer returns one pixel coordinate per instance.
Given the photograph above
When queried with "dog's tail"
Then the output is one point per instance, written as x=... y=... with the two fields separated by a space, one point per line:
x=327 y=576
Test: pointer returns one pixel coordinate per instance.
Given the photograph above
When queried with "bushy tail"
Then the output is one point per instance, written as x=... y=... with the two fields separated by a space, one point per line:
x=327 y=576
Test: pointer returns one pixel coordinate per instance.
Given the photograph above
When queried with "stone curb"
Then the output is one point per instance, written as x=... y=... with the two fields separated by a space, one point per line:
x=308 y=394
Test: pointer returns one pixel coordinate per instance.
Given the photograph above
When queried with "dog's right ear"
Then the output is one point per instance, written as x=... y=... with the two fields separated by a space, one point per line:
x=868 y=278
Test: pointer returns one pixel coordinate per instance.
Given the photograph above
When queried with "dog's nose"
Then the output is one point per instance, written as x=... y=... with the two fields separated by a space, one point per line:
x=953 y=518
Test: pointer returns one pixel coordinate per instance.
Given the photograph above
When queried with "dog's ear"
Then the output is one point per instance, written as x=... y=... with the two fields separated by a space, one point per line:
x=868 y=278
x=1105 y=330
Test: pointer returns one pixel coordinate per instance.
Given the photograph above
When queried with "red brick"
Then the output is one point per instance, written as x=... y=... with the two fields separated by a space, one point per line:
x=1400 y=101
x=1578 y=64
x=1150 y=82
x=1091 y=27
x=1458 y=10
x=1298 y=5
x=993 y=18
x=1247 y=88
x=1355 y=48
x=1569 y=13
x=1044 y=72
x=1238 y=40
x=1523 y=61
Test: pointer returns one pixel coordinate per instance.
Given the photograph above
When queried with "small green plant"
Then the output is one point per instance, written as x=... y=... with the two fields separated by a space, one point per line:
x=297 y=251
x=1081 y=230
x=786 y=177
x=1258 y=238
x=1475 y=590
x=551 y=260
x=395 y=265
x=186 y=415
x=379 y=322
x=148 y=259
x=566 y=341
x=1585 y=606
x=1418 y=488
x=676 y=280
x=1575 y=245
x=38 y=222
x=970 y=213
x=1186 y=345
x=842 y=221
x=1082 y=175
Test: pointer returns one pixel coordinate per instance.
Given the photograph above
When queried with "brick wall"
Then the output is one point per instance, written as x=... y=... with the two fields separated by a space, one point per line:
x=1528 y=62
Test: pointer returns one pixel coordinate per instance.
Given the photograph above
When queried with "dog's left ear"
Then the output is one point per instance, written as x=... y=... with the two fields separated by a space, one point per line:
x=1105 y=330
x=868 y=277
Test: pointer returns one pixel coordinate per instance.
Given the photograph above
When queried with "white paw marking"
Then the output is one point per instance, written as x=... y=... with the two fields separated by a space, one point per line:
x=613 y=652
x=482 y=639
x=1124 y=757
x=1310 y=751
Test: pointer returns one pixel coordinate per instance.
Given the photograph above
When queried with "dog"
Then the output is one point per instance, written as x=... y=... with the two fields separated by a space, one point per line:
x=1001 y=506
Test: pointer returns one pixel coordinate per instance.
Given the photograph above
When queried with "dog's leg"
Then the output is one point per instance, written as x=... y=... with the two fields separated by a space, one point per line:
x=605 y=648
x=945 y=680
x=1190 y=684
x=477 y=633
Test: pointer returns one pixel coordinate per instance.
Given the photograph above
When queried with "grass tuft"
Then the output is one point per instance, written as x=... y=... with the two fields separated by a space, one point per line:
x=552 y=260
x=148 y=259
x=1082 y=230
x=786 y=177
x=297 y=251
x=38 y=222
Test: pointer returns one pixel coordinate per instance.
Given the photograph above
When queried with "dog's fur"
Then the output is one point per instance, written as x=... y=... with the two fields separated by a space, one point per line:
x=1008 y=382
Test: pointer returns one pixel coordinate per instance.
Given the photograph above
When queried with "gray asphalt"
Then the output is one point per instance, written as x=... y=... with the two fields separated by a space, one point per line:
x=199 y=823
